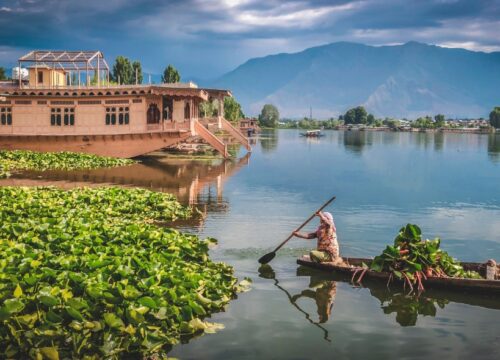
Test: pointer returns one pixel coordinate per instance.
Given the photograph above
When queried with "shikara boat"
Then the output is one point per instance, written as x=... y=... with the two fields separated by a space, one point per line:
x=312 y=133
x=352 y=266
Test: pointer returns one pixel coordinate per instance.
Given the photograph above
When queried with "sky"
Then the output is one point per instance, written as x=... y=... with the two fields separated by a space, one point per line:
x=206 y=38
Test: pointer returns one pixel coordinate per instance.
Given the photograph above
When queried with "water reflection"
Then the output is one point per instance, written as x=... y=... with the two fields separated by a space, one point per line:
x=494 y=147
x=199 y=183
x=268 y=140
x=355 y=141
x=408 y=308
x=322 y=291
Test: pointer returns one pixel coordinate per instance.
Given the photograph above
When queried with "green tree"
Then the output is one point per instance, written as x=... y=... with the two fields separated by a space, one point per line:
x=357 y=115
x=370 y=119
x=439 y=119
x=137 y=69
x=495 y=117
x=232 y=109
x=170 y=75
x=123 y=72
x=269 y=116
x=208 y=108
x=3 y=74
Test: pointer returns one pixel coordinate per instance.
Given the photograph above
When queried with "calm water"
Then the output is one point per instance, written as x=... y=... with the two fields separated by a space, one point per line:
x=446 y=183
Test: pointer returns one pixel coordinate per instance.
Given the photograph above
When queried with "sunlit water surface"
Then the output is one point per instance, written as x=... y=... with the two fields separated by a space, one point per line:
x=446 y=183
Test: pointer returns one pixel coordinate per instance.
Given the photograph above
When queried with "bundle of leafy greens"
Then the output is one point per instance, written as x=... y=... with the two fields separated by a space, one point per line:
x=411 y=259
x=32 y=160
x=87 y=274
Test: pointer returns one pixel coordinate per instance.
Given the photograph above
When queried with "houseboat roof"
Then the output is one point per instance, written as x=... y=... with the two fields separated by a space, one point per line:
x=9 y=88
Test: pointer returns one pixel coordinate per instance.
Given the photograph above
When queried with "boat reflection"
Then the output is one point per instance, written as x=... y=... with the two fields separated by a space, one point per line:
x=406 y=307
x=322 y=291
x=193 y=182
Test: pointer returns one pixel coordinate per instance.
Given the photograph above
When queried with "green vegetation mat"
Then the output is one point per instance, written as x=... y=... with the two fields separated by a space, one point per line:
x=88 y=274
x=32 y=160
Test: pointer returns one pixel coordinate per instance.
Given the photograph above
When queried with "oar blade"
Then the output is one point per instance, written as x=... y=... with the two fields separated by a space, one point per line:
x=267 y=258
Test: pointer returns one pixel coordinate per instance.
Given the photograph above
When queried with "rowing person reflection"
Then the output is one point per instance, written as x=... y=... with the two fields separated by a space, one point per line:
x=323 y=292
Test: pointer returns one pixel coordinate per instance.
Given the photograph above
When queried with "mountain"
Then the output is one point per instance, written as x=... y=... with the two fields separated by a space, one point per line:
x=406 y=80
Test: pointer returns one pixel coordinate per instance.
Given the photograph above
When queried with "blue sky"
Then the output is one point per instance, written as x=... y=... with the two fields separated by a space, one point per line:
x=205 y=38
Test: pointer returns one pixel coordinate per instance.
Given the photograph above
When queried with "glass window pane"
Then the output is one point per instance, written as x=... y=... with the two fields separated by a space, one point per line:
x=126 y=118
x=108 y=119
x=9 y=119
x=58 y=119
x=52 y=120
x=66 y=119
x=72 y=119
x=4 y=119
x=113 y=119
x=120 y=118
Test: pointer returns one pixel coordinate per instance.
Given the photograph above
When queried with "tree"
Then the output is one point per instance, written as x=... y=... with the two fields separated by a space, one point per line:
x=269 y=116
x=439 y=119
x=357 y=115
x=208 y=108
x=370 y=119
x=232 y=109
x=170 y=75
x=495 y=117
x=123 y=72
x=137 y=69
x=3 y=74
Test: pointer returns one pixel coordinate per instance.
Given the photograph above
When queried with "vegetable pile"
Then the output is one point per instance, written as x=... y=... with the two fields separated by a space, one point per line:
x=86 y=274
x=32 y=160
x=412 y=260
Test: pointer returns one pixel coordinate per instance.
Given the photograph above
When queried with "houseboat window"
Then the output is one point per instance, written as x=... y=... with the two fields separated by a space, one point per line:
x=40 y=77
x=6 y=115
x=121 y=114
x=58 y=119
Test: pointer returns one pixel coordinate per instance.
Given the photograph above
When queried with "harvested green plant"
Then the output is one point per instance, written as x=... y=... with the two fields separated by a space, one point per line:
x=413 y=260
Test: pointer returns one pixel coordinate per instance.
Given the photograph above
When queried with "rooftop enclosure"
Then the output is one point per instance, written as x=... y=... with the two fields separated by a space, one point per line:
x=62 y=68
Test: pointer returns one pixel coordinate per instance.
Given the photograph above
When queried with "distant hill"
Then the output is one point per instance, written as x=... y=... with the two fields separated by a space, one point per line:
x=407 y=80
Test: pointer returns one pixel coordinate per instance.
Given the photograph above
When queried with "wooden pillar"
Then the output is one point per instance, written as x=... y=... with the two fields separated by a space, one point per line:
x=79 y=78
x=98 y=71
x=87 y=74
x=19 y=74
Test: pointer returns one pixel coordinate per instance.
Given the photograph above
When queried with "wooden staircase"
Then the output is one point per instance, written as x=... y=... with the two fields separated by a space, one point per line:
x=201 y=129
x=235 y=133
x=210 y=138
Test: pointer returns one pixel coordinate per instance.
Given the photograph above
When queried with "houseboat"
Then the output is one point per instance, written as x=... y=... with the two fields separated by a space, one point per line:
x=67 y=103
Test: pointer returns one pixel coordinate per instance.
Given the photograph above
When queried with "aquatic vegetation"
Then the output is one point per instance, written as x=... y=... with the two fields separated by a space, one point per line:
x=87 y=273
x=32 y=160
x=412 y=260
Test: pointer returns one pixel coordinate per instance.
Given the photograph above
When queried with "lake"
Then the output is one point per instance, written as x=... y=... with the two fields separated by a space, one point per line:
x=448 y=184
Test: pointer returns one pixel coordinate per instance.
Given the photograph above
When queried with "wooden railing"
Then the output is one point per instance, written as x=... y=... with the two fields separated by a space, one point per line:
x=211 y=139
x=242 y=139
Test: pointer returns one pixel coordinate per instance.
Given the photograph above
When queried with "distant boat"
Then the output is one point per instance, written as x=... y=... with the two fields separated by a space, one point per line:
x=312 y=133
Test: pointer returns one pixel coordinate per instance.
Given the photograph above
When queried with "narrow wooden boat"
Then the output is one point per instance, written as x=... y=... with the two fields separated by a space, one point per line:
x=353 y=265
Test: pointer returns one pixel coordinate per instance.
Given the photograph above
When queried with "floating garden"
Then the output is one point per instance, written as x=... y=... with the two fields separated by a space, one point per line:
x=91 y=273
x=32 y=160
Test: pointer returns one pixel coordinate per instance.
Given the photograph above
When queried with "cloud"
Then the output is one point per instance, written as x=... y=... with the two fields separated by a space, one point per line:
x=212 y=36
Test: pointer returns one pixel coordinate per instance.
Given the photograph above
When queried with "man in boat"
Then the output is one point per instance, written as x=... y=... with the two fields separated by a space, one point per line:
x=328 y=247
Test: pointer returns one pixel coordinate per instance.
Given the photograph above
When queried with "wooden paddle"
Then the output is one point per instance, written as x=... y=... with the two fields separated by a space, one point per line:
x=268 y=257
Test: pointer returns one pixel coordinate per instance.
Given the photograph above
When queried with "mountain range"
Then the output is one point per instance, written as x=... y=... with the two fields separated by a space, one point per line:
x=408 y=80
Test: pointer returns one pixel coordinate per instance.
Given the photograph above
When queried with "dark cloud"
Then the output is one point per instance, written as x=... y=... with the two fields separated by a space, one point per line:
x=207 y=37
